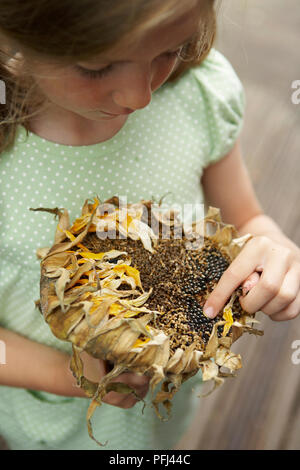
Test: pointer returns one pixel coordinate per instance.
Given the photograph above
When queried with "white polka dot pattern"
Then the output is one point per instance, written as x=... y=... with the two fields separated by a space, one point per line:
x=161 y=149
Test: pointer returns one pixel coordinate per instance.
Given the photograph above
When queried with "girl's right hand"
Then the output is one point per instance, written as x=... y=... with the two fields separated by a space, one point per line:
x=95 y=369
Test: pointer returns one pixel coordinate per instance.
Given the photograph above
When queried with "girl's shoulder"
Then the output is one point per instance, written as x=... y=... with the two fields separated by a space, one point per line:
x=214 y=64
x=212 y=95
x=215 y=78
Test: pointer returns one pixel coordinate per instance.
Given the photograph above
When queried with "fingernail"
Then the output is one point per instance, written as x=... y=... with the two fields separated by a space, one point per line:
x=209 y=312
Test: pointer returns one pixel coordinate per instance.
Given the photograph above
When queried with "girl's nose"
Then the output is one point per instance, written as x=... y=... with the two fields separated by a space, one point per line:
x=135 y=91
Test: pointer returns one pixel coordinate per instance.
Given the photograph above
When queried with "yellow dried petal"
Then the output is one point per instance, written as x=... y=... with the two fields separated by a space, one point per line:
x=130 y=271
x=89 y=255
x=131 y=313
x=80 y=223
x=72 y=238
x=82 y=261
x=115 y=309
x=140 y=342
x=227 y=315
x=96 y=204
x=69 y=235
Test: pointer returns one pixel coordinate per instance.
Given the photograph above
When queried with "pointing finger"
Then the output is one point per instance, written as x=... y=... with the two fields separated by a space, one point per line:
x=241 y=267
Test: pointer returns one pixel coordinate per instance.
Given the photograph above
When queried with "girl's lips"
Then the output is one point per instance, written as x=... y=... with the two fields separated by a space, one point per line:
x=129 y=111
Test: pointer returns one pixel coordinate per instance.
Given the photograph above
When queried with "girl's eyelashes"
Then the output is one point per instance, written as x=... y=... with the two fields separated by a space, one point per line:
x=93 y=73
x=88 y=73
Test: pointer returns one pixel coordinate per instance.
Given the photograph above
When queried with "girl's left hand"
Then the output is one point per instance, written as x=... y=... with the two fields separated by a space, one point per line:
x=276 y=292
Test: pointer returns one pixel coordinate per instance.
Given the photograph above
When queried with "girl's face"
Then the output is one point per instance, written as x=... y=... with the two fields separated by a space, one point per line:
x=107 y=87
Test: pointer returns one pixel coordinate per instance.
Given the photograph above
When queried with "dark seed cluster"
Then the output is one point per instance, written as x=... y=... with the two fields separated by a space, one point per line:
x=194 y=284
x=181 y=280
x=197 y=320
x=216 y=265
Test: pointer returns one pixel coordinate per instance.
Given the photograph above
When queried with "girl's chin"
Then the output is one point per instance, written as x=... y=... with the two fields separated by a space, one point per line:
x=106 y=127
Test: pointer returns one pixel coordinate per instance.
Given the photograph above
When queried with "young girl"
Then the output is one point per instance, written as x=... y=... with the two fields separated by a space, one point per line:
x=121 y=98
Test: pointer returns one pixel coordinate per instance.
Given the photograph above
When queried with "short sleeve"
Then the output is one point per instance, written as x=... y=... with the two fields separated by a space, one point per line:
x=224 y=103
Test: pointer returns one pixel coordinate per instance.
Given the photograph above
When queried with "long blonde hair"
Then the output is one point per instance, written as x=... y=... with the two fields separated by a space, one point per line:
x=65 y=31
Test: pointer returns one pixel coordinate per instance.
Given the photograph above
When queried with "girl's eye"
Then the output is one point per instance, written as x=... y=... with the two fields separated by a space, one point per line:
x=88 y=73
x=93 y=73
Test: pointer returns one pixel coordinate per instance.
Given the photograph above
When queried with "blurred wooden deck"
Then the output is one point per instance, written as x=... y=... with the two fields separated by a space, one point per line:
x=260 y=409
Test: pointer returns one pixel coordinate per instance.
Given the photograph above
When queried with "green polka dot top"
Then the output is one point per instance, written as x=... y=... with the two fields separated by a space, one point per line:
x=162 y=149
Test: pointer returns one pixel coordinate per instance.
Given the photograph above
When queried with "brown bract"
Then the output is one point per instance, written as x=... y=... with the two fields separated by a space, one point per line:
x=96 y=301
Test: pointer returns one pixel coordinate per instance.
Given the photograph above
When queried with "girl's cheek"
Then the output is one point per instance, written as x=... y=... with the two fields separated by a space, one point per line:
x=83 y=92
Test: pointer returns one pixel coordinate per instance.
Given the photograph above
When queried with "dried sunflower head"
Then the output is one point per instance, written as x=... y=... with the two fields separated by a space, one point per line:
x=115 y=286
